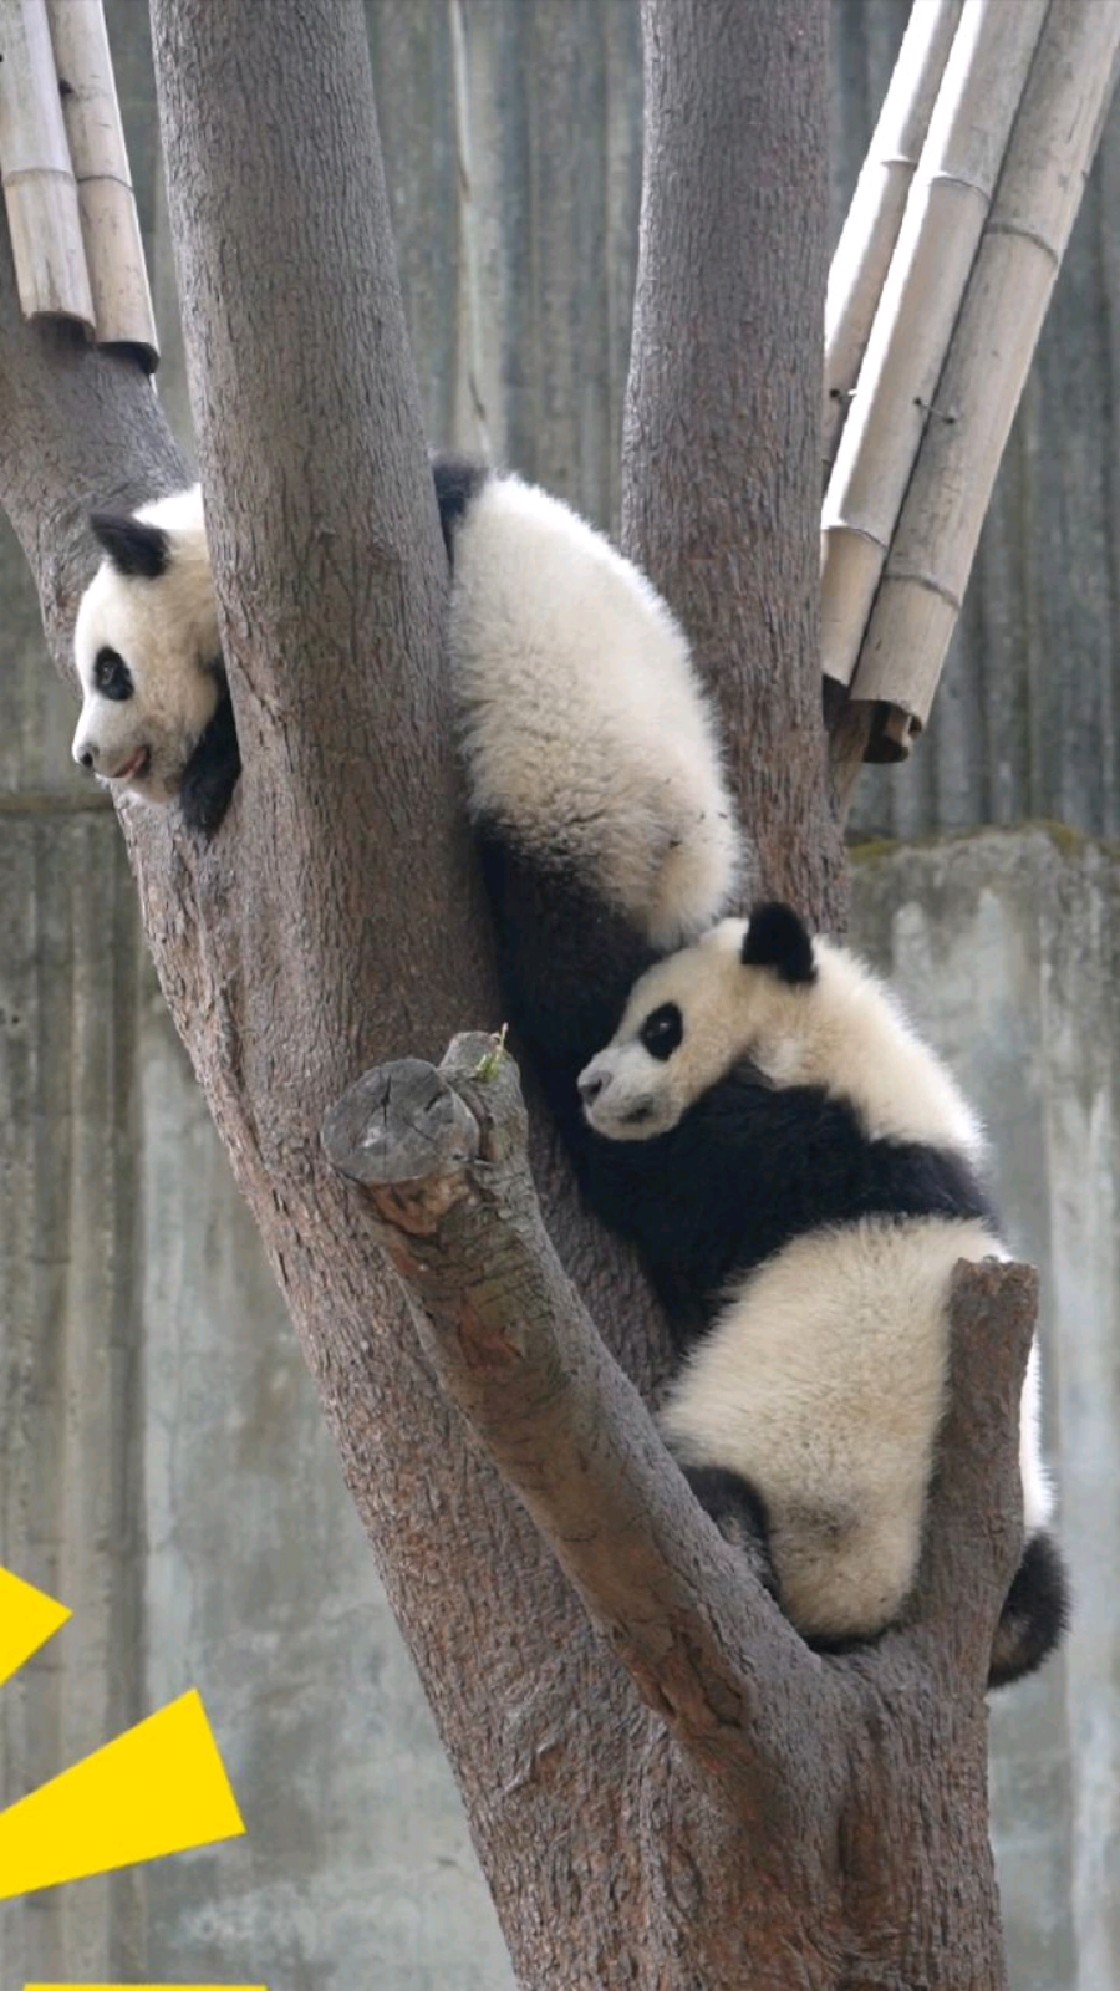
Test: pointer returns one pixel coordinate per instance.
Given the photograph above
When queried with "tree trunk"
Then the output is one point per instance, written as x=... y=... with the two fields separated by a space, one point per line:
x=691 y=1799
x=721 y=449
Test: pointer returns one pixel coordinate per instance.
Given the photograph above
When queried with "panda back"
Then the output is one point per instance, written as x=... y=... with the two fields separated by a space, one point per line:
x=585 y=735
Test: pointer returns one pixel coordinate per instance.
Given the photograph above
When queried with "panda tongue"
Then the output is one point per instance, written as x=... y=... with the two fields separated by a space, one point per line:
x=132 y=766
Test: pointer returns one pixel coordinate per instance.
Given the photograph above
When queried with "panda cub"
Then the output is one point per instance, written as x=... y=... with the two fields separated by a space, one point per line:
x=593 y=772
x=801 y=1175
x=156 y=717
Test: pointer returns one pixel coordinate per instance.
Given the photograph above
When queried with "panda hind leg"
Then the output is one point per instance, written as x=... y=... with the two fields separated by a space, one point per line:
x=1034 y=1615
x=739 y=1513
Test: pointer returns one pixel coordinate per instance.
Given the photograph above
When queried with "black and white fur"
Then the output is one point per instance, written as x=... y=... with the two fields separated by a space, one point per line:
x=801 y=1174
x=156 y=717
x=592 y=770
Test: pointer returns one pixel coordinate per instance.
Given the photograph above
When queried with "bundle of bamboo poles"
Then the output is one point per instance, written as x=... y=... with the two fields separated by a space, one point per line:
x=937 y=295
x=72 y=215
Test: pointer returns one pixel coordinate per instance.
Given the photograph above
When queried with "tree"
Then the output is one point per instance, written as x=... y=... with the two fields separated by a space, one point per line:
x=692 y=1799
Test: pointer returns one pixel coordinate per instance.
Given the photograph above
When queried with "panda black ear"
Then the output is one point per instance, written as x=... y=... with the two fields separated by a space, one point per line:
x=133 y=547
x=777 y=938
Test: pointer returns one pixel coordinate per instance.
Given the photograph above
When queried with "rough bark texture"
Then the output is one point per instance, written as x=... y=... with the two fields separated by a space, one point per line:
x=721 y=449
x=700 y=1806
x=858 y=1783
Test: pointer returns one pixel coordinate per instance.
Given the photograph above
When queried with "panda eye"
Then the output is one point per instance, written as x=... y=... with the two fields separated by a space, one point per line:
x=111 y=675
x=663 y=1031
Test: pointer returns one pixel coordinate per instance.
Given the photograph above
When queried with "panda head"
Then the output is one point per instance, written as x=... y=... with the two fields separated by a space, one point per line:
x=146 y=647
x=742 y=992
x=766 y=999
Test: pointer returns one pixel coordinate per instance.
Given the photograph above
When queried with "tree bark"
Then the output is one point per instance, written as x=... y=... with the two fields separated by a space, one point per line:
x=859 y=1784
x=715 y=1806
x=721 y=444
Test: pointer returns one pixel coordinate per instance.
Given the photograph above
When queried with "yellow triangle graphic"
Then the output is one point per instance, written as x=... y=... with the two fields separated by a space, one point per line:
x=28 y=1618
x=159 y=1788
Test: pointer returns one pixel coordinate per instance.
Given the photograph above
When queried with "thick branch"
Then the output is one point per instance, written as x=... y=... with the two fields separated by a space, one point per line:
x=975 y=1523
x=443 y=1154
x=320 y=509
x=78 y=427
x=721 y=449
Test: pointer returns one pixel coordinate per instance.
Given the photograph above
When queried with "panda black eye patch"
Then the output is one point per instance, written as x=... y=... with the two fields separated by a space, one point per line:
x=662 y=1032
x=111 y=675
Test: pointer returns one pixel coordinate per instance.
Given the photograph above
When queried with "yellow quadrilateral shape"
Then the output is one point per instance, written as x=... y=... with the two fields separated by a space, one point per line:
x=159 y=1788
x=28 y=1618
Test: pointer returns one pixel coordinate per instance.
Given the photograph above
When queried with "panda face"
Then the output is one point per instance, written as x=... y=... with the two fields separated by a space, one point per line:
x=795 y=1012
x=693 y=1017
x=146 y=648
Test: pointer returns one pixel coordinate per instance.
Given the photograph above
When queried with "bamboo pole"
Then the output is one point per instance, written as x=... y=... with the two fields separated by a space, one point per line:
x=1051 y=150
x=870 y=231
x=122 y=303
x=39 y=190
x=949 y=200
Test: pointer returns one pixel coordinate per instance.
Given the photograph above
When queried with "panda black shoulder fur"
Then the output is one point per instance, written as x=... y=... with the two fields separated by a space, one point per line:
x=801 y=1173
x=592 y=769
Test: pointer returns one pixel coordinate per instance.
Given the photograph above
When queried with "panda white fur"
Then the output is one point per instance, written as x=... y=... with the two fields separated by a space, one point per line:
x=156 y=718
x=801 y=1174
x=592 y=767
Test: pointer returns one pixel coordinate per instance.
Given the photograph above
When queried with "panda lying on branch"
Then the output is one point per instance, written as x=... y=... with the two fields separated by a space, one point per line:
x=798 y=1171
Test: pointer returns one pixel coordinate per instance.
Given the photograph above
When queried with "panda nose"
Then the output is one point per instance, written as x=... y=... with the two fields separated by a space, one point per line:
x=85 y=758
x=592 y=1084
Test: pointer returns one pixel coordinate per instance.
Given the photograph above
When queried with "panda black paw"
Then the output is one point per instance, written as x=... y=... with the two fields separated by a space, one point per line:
x=211 y=773
x=739 y=1513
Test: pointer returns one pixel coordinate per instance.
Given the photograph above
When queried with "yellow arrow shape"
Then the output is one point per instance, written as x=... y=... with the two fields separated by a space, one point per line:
x=159 y=1788
x=28 y=1618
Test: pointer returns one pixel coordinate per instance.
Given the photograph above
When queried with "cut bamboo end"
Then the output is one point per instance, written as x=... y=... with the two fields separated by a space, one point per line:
x=849 y=578
x=948 y=203
x=114 y=249
x=869 y=234
x=40 y=193
x=927 y=570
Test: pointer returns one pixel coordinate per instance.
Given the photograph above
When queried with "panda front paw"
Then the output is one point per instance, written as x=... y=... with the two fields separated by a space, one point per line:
x=211 y=773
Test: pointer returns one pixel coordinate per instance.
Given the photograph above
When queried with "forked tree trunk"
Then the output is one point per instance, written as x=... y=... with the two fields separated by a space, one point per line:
x=691 y=1800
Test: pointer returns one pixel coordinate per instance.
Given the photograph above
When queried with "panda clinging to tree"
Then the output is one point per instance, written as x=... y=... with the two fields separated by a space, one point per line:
x=798 y=1170
x=593 y=771
x=801 y=1175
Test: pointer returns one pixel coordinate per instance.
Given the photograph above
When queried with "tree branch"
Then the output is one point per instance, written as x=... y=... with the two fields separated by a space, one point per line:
x=443 y=1155
x=974 y=1527
x=321 y=514
x=721 y=442
x=78 y=427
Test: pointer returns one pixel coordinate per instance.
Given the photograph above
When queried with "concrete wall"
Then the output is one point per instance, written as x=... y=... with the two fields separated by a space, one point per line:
x=152 y=1386
x=1007 y=947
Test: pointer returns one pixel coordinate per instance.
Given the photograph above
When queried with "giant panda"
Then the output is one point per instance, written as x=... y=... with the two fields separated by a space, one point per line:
x=801 y=1175
x=156 y=718
x=592 y=767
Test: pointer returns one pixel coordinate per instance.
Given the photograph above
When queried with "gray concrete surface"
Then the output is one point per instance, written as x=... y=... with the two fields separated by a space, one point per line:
x=1007 y=947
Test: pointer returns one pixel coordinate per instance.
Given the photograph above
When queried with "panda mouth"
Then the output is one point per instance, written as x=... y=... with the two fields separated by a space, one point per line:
x=136 y=767
x=638 y=1116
